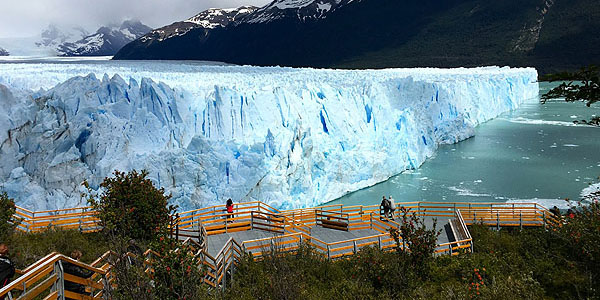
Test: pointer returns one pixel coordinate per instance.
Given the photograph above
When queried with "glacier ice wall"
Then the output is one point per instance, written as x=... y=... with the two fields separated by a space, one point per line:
x=288 y=137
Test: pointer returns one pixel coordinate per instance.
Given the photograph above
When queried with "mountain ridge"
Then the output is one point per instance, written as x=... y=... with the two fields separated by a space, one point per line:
x=410 y=33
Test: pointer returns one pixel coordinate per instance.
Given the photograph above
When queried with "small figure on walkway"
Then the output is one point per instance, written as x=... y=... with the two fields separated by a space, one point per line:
x=555 y=211
x=7 y=268
x=229 y=207
x=392 y=207
x=78 y=271
x=385 y=206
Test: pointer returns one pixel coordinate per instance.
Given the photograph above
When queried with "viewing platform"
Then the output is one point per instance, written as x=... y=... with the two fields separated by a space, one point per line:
x=220 y=239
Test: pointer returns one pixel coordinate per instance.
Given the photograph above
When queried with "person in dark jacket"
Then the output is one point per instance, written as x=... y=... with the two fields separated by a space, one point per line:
x=7 y=268
x=74 y=270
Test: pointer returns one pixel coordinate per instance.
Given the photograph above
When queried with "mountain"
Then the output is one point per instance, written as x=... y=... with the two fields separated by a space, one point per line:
x=302 y=10
x=547 y=34
x=106 y=41
x=54 y=35
x=4 y=52
x=203 y=22
x=45 y=43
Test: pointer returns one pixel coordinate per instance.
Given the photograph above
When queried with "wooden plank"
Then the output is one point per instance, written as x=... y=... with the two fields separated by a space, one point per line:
x=39 y=276
x=73 y=295
x=52 y=296
x=35 y=291
x=83 y=281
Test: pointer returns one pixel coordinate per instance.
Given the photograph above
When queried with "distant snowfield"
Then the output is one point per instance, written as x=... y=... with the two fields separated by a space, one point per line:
x=288 y=137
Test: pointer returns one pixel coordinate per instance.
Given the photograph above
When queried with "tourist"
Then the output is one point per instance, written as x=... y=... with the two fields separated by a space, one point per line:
x=78 y=271
x=385 y=206
x=555 y=211
x=392 y=206
x=570 y=214
x=229 y=207
x=7 y=268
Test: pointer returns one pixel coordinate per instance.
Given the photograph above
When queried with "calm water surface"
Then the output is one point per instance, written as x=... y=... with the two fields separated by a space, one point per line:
x=532 y=154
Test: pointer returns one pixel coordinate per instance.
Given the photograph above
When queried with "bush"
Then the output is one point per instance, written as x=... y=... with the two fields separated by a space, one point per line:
x=130 y=206
x=8 y=222
x=175 y=274
x=419 y=241
x=581 y=237
x=27 y=248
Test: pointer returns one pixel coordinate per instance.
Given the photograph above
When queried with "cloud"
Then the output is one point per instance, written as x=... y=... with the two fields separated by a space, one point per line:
x=19 y=18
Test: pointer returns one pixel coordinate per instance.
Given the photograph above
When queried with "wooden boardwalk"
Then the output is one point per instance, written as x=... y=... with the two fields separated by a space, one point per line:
x=339 y=237
x=334 y=231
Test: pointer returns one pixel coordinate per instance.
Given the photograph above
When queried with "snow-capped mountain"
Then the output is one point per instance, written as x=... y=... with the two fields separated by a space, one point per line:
x=106 y=41
x=45 y=43
x=301 y=9
x=4 y=52
x=208 y=19
x=55 y=35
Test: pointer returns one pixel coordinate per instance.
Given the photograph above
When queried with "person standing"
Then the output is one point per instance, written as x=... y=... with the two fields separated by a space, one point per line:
x=229 y=208
x=78 y=271
x=392 y=206
x=7 y=268
x=385 y=206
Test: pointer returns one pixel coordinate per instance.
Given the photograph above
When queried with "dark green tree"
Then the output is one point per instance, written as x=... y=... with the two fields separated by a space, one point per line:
x=583 y=85
x=8 y=221
x=129 y=206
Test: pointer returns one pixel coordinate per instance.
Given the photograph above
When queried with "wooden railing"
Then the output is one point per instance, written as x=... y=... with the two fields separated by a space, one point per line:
x=293 y=227
x=82 y=218
x=214 y=218
x=46 y=278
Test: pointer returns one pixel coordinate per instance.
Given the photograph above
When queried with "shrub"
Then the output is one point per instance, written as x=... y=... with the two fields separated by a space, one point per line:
x=418 y=243
x=27 y=248
x=130 y=206
x=175 y=274
x=581 y=235
x=8 y=222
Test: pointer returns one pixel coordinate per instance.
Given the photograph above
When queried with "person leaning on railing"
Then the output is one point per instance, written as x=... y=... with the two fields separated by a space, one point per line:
x=7 y=268
x=74 y=270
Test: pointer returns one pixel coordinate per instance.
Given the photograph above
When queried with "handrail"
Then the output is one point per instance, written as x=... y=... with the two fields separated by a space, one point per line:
x=84 y=218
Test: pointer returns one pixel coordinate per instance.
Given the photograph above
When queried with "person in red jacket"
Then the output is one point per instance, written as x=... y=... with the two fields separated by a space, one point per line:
x=7 y=268
x=229 y=207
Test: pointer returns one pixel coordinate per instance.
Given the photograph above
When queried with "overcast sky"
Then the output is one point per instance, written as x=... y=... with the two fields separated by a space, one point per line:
x=20 y=18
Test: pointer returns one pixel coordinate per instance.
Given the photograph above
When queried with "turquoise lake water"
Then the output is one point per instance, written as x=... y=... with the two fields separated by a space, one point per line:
x=533 y=154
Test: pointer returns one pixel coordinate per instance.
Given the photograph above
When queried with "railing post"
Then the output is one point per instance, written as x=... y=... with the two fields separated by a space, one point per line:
x=226 y=222
x=60 y=280
x=251 y=220
x=521 y=220
x=497 y=221
x=328 y=253
x=354 y=247
x=379 y=240
x=106 y=288
x=474 y=216
x=450 y=246
x=544 y=217
x=371 y=221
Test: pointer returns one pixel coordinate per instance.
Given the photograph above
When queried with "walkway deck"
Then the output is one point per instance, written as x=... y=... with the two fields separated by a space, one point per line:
x=216 y=242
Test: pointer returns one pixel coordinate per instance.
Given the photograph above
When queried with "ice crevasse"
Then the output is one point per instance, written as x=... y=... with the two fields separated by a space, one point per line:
x=288 y=137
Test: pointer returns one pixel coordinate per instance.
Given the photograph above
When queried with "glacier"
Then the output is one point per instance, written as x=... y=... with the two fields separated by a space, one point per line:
x=288 y=137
